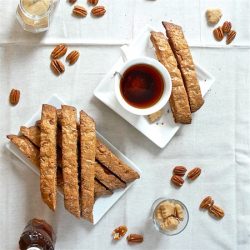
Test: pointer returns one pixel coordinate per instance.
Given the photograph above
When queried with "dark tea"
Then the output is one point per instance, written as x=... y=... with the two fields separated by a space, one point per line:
x=142 y=86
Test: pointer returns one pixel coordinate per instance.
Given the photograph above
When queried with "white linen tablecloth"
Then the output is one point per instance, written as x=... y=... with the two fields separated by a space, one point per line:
x=218 y=139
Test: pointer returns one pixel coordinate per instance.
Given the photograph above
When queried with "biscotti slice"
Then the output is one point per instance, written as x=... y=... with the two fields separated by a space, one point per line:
x=178 y=100
x=26 y=147
x=88 y=151
x=48 y=156
x=109 y=180
x=184 y=58
x=101 y=190
x=69 y=160
x=32 y=133
x=114 y=164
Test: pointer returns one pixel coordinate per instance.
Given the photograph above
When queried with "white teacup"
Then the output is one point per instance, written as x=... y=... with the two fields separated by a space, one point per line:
x=166 y=91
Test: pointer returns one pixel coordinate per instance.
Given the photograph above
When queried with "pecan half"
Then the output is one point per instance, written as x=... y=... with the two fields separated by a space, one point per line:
x=230 y=36
x=57 y=67
x=119 y=232
x=72 y=57
x=179 y=170
x=226 y=27
x=93 y=2
x=98 y=11
x=177 y=180
x=72 y=1
x=14 y=96
x=194 y=173
x=216 y=211
x=218 y=34
x=207 y=203
x=80 y=11
x=135 y=238
x=59 y=51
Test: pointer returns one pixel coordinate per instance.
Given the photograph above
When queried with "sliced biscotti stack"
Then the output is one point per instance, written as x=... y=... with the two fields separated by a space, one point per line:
x=70 y=158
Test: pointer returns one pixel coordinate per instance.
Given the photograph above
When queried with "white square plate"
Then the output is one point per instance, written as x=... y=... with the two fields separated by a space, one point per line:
x=102 y=204
x=162 y=131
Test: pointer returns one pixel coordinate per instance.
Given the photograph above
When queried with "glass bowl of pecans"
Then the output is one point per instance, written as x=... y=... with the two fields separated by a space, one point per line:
x=170 y=216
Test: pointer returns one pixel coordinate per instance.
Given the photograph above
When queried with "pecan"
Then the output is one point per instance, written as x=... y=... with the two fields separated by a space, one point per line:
x=72 y=1
x=93 y=2
x=57 y=67
x=179 y=170
x=218 y=34
x=177 y=180
x=98 y=11
x=72 y=57
x=135 y=238
x=119 y=232
x=230 y=36
x=14 y=96
x=216 y=211
x=80 y=11
x=207 y=202
x=59 y=51
x=194 y=173
x=226 y=27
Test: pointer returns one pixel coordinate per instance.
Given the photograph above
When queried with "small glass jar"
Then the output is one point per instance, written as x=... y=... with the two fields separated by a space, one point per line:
x=35 y=15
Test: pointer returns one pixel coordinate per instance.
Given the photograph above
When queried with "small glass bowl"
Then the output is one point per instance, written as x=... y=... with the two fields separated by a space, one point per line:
x=182 y=225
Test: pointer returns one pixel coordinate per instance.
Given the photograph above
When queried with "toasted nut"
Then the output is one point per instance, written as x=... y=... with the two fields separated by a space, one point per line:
x=216 y=211
x=155 y=116
x=207 y=202
x=72 y=57
x=177 y=180
x=59 y=51
x=135 y=238
x=57 y=67
x=230 y=36
x=14 y=96
x=98 y=11
x=226 y=27
x=179 y=170
x=218 y=34
x=72 y=1
x=213 y=16
x=119 y=232
x=194 y=173
x=80 y=11
x=93 y=2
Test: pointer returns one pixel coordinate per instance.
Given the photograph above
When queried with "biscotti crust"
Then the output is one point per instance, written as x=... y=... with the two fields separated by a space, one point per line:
x=88 y=151
x=101 y=190
x=70 y=160
x=184 y=58
x=32 y=133
x=48 y=157
x=178 y=100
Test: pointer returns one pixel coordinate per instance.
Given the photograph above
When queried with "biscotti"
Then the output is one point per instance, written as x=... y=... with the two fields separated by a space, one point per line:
x=33 y=133
x=184 y=58
x=70 y=160
x=101 y=190
x=48 y=159
x=178 y=100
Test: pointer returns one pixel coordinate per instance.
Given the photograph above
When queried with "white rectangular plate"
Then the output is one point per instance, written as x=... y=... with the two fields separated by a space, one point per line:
x=102 y=204
x=163 y=130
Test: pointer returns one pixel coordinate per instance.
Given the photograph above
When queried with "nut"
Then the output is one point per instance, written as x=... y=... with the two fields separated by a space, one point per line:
x=135 y=238
x=218 y=34
x=59 y=51
x=80 y=11
x=155 y=116
x=226 y=27
x=93 y=2
x=72 y=1
x=72 y=57
x=179 y=170
x=98 y=11
x=194 y=173
x=119 y=232
x=207 y=202
x=213 y=16
x=230 y=36
x=177 y=180
x=14 y=96
x=216 y=211
x=57 y=66
x=179 y=211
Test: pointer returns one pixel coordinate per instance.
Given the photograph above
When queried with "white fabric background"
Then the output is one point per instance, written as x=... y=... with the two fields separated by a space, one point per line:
x=218 y=139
